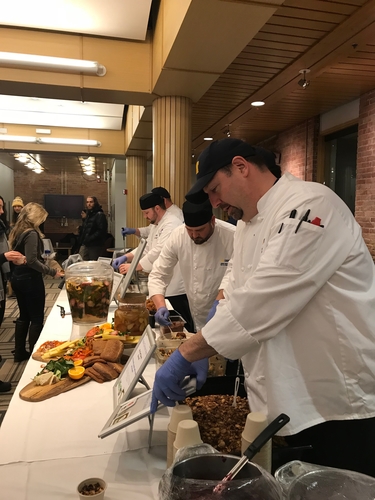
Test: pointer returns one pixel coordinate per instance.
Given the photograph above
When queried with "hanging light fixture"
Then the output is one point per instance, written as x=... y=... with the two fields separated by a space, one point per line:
x=303 y=82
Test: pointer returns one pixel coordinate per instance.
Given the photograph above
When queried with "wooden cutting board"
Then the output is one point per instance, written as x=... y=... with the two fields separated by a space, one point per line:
x=35 y=393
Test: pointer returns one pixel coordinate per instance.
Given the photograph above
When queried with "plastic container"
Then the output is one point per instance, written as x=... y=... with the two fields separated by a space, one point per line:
x=132 y=316
x=89 y=285
x=176 y=326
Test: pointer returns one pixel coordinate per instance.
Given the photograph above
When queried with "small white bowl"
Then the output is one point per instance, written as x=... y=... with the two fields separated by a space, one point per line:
x=92 y=480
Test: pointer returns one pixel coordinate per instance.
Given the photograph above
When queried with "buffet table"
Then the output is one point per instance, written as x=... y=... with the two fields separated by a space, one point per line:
x=47 y=448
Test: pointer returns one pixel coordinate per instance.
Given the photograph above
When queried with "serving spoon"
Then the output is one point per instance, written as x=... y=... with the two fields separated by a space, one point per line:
x=253 y=449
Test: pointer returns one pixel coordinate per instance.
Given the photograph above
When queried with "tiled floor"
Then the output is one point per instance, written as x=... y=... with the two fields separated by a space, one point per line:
x=10 y=371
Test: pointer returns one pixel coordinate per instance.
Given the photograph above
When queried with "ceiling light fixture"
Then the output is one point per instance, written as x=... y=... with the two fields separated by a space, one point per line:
x=69 y=142
x=208 y=138
x=46 y=63
x=303 y=82
x=50 y=140
x=258 y=104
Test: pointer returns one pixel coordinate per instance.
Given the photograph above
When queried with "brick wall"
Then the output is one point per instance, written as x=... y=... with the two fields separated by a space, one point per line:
x=298 y=147
x=365 y=192
x=33 y=187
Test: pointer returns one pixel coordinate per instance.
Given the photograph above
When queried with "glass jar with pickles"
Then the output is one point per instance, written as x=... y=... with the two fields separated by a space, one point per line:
x=89 y=286
x=131 y=317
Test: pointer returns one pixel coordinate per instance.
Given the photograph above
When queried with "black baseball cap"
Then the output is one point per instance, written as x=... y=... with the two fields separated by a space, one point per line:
x=220 y=154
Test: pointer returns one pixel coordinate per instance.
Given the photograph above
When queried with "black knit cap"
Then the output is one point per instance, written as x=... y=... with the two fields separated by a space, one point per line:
x=150 y=200
x=220 y=154
x=197 y=215
x=161 y=191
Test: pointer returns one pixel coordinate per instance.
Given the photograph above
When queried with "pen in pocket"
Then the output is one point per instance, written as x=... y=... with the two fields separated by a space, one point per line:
x=291 y=216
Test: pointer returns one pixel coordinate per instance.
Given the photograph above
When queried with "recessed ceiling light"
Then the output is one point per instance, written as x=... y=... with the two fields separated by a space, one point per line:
x=257 y=104
x=208 y=138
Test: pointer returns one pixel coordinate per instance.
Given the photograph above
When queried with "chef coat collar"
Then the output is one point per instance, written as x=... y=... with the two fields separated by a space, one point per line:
x=272 y=194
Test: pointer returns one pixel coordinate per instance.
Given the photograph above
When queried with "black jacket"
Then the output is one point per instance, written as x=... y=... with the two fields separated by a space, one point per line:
x=94 y=228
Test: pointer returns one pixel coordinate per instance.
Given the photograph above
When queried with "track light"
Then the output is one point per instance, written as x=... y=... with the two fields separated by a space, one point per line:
x=46 y=63
x=303 y=82
x=50 y=140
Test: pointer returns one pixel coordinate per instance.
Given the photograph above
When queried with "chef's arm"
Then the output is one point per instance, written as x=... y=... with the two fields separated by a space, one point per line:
x=196 y=348
x=159 y=300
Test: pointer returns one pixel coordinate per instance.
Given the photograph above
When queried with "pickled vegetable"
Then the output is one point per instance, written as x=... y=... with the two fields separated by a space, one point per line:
x=89 y=300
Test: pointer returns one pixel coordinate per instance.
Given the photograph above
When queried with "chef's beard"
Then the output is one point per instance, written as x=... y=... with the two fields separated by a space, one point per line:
x=235 y=212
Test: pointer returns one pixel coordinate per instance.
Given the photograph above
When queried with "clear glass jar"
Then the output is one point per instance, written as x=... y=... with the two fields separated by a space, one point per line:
x=131 y=317
x=89 y=286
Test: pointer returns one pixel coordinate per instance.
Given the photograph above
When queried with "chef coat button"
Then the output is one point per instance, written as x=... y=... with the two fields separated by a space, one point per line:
x=242 y=268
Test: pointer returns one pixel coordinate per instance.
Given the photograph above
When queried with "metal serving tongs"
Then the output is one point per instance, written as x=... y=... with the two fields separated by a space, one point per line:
x=253 y=449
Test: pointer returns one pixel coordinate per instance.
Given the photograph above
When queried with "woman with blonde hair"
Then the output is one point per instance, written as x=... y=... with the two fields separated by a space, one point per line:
x=27 y=280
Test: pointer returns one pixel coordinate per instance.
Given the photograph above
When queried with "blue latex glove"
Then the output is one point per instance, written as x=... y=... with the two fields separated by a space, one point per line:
x=125 y=231
x=117 y=262
x=168 y=378
x=211 y=312
x=162 y=316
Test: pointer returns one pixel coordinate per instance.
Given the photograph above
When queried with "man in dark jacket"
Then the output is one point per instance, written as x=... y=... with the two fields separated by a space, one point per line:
x=94 y=230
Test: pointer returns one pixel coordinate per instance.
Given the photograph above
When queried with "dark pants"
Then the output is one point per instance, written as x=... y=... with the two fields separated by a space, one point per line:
x=90 y=253
x=31 y=297
x=180 y=304
x=345 y=444
x=2 y=307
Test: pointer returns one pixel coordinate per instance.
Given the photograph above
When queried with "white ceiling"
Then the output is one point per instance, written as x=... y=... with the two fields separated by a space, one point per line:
x=109 y=18
x=60 y=113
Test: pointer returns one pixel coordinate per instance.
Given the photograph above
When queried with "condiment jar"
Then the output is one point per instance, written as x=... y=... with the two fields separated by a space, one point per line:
x=89 y=286
x=131 y=317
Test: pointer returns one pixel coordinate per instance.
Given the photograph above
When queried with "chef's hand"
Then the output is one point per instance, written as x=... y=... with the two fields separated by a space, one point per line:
x=124 y=268
x=162 y=316
x=117 y=262
x=125 y=231
x=168 y=378
x=211 y=312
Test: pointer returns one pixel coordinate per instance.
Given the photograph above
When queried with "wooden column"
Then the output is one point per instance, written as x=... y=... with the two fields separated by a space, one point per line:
x=136 y=184
x=171 y=122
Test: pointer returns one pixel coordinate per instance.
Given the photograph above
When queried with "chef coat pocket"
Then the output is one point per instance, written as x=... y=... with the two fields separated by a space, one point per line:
x=298 y=250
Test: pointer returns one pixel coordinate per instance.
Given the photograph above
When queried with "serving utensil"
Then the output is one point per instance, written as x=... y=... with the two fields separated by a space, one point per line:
x=253 y=449
x=236 y=384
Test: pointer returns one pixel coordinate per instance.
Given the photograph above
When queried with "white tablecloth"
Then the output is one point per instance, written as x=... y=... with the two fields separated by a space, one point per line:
x=47 y=448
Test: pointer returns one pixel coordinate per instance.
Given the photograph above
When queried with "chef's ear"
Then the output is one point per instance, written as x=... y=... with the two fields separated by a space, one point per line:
x=240 y=163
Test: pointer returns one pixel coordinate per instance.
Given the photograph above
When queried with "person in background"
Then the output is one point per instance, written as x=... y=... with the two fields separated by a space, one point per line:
x=27 y=279
x=162 y=224
x=6 y=256
x=94 y=230
x=17 y=205
x=202 y=247
x=298 y=308
x=143 y=232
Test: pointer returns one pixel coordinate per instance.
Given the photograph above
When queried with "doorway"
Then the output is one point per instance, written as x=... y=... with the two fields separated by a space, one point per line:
x=340 y=164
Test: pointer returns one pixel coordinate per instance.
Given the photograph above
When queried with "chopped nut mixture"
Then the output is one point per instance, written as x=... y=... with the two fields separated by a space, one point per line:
x=220 y=424
x=91 y=489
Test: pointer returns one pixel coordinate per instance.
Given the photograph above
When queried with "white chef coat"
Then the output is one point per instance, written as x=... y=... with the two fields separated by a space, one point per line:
x=300 y=309
x=158 y=236
x=173 y=209
x=202 y=267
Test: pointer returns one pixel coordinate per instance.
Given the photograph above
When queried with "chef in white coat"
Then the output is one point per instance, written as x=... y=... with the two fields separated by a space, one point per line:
x=162 y=224
x=299 y=307
x=172 y=208
x=202 y=247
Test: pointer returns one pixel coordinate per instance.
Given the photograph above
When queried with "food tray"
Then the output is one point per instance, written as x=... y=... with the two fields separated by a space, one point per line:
x=177 y=325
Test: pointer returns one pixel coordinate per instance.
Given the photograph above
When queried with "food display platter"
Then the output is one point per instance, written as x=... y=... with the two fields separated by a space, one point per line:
x=36 y=393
